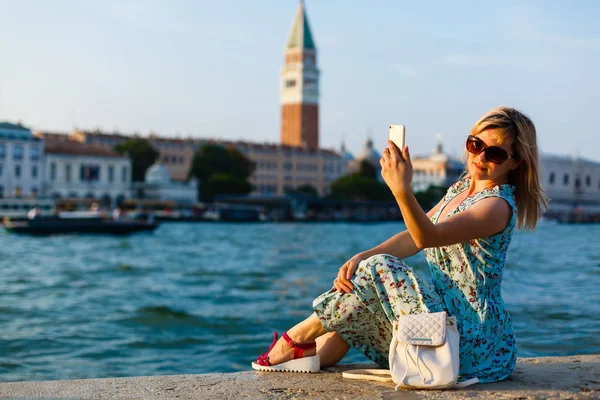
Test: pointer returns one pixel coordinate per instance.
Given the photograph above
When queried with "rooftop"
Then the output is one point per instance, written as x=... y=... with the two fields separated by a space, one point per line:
x=300 y=36
x=10 y=125
x=72 y=147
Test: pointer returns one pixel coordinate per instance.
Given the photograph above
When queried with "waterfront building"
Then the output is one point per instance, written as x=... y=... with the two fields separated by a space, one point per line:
x=99 y=138
x=281 y=168
x=176 y=154
x=436 y=169
x=77 y=170
x=297 y=161
x=21 y=162
x=571 y=182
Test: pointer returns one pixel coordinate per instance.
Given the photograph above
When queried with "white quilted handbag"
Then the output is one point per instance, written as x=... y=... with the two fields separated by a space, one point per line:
x=424 y=352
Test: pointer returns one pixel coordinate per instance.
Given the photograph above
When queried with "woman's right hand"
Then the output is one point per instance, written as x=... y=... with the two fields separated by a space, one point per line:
x=342 y=282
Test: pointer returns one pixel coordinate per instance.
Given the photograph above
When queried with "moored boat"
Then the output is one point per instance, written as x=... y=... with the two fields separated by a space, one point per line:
x=88 y=225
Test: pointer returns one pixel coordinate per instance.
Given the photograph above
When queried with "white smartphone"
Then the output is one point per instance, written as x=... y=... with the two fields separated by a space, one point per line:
x=396 y=134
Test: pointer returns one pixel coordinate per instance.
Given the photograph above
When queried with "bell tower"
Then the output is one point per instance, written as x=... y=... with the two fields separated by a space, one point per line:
x=300 y=86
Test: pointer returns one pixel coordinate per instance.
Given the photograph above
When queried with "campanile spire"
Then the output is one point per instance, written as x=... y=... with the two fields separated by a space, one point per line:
x=300 y=85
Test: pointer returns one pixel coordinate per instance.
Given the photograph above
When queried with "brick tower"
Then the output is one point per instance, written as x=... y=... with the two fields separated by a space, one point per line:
x=300 y=86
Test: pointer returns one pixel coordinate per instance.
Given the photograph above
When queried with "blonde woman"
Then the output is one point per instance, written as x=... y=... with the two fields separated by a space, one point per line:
x=465 y=238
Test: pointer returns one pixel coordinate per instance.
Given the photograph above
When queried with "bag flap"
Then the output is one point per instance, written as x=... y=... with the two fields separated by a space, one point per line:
x=428 y=329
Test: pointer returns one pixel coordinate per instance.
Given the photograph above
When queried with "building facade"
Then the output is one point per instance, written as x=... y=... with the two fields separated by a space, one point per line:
x=175 y=154
x=300 y=86
x=437 y=169
x=77 y=170
x=21 y=162
x=297 y=161
x=571 y=182
x=280 y=169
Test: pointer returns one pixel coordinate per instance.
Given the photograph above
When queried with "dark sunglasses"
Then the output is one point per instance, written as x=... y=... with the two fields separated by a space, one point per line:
x=494 y=154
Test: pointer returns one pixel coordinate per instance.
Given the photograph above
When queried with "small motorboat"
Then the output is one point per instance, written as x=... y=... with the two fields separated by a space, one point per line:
x=96 y=225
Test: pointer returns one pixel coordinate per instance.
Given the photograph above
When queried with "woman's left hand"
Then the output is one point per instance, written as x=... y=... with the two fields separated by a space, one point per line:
x=396 y=169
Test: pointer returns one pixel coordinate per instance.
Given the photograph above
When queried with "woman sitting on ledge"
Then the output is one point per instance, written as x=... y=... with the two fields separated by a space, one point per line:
x=465 y=238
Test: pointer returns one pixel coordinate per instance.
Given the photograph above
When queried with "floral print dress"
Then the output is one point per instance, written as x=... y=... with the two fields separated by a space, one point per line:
x=466 y=280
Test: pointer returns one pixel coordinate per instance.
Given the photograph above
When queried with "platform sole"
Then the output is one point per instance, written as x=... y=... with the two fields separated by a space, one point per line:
x=304 y=364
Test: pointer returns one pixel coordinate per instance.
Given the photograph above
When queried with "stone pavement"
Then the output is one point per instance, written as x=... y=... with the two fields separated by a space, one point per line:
x=575 y=377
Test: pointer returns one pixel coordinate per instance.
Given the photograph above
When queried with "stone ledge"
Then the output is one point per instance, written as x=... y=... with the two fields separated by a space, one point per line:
x=574 y=377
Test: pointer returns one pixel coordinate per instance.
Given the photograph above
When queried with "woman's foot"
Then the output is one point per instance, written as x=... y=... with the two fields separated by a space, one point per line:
x=287 y=355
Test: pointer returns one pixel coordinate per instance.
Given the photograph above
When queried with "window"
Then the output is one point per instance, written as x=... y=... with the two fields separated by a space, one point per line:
x=124 y=174
x=68 y=172
x=89 y=173
x=34 y=171
x=290 y=83
x=34 y=153
x=18 y=152
x=34 y=191
x=111 y=173
x=2 y=151
x=180 y=160
x=174 y=159
x=566 y=179
x=588 y=181
x=310 y=84
x=0 y=169
x=53 y=171
x=2 y=192
x=551 y=178
x=165 y=159
x=17 y=171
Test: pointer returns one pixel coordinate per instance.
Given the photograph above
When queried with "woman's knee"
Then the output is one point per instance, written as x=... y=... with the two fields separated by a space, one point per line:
x=385 y=262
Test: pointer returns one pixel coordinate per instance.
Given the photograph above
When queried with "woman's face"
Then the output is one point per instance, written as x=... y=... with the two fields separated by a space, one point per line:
x=482 y=169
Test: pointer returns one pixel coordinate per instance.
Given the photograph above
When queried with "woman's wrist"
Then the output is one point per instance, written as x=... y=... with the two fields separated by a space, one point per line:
x=402 y=195
x=363 y=255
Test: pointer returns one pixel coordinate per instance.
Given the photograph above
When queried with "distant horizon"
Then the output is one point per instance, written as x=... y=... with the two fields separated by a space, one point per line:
x=211 y=71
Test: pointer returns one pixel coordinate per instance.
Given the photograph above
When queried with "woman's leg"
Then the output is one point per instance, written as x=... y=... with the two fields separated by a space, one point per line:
x=331 y=348
x=304 y=332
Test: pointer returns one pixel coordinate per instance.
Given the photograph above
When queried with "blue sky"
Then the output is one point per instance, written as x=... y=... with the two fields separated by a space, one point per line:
x=211 y=68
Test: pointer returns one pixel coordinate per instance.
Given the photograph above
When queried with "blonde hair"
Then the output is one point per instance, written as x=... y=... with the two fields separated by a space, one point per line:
x=531 y=199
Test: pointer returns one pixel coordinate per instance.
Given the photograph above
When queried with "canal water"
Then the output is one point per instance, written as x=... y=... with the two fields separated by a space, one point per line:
x=205 y=297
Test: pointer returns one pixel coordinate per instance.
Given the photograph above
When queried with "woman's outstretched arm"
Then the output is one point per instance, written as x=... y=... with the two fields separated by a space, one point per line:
x=485 y=218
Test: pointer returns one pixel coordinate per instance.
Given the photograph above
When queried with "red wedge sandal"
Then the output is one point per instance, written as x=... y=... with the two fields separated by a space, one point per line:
x=296 y=364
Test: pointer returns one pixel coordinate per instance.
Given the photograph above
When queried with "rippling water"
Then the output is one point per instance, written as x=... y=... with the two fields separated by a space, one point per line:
x=197 y=298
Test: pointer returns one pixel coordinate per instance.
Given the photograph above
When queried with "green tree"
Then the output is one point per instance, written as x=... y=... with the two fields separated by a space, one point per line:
x=367 y=170
x=208 y=160
x=219 y=184
x=142 y=156
x=239 y=165
x=221 y=170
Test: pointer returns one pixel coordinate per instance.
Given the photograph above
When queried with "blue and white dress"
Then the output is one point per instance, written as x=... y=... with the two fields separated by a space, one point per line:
x=465 y=282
